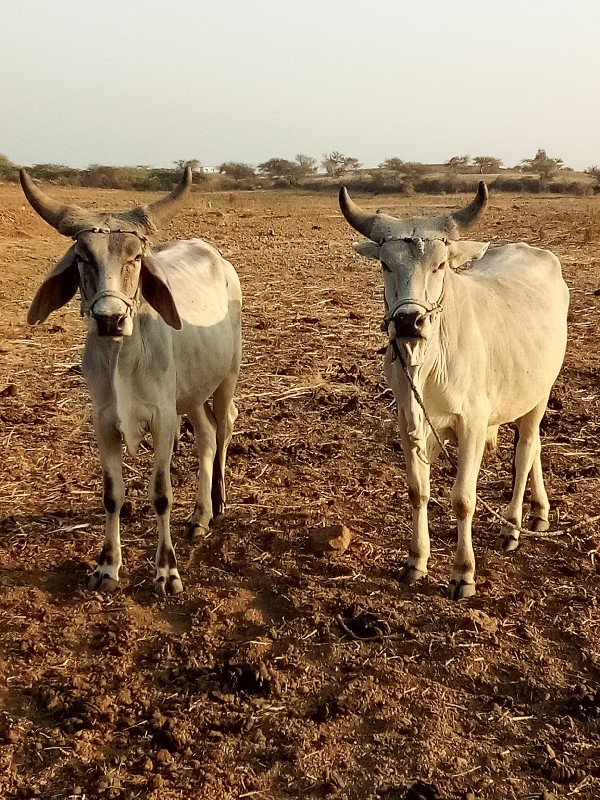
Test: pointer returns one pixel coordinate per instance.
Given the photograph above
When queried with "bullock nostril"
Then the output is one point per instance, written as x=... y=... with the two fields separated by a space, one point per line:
x=409 y=324
x=110 y=324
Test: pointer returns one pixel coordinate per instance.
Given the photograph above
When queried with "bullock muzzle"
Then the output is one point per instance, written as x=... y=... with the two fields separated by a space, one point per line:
x=409 y=324
x=114 y=319
x=114 y=325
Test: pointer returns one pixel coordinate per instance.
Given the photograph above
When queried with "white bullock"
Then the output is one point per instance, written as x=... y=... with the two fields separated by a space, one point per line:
x=482 y=347
x=164 y=339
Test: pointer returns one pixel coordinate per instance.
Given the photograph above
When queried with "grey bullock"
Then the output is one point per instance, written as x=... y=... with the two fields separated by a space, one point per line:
x=163 y=340
x=482 y=346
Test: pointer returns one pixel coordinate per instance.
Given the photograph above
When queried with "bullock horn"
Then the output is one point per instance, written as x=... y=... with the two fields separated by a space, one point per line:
x=360 y=220
x=160 y=212
x=468 y=216
x=67 y=220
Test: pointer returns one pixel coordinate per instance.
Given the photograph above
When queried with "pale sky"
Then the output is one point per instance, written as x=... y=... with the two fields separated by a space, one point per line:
x=127 y=82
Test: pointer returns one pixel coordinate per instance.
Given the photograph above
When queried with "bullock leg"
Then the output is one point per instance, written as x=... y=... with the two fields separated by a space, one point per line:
x=205 y=431
x=540 y=505
x=471 y=443
x=167 y=579
x=225 y=413
x=417 y=473
x=526 y=460
x=105 y=577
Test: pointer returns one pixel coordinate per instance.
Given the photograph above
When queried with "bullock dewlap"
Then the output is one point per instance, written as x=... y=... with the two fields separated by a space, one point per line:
x=468 y=351
x=163 y=339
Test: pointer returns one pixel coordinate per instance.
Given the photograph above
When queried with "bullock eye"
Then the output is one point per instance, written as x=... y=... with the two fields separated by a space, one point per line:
x=442 y=265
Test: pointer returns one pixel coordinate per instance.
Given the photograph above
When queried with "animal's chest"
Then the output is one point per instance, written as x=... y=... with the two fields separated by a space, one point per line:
x=130 y=396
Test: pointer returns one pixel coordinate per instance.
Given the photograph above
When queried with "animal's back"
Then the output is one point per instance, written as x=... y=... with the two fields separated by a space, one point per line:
x=208 y=296
x=203 y=283
x=516 y=274
x=519 y=303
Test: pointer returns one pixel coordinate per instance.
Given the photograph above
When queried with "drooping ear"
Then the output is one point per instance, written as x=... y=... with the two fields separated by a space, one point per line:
x=156 y=291
x=56 y=291
x=461 y=252
x=367 y=249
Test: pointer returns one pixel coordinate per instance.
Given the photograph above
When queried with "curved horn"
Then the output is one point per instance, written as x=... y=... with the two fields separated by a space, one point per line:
x=160 y=212
x=468 y=216
x=67 y=220
x=360 y=220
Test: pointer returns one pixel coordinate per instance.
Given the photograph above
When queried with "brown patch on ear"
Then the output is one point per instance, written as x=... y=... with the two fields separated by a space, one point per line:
x=56 y=291
x=156 y=291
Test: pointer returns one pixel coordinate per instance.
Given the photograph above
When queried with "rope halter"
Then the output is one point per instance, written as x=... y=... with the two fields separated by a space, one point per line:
x=130 y=302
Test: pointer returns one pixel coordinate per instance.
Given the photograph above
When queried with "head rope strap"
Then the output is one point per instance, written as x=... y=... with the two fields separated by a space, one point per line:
x=428 y=308
x=130 y=302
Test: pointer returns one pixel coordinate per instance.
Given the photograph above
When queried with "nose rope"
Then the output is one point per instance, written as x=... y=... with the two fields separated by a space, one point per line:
x=88 y=305
x=429 y=308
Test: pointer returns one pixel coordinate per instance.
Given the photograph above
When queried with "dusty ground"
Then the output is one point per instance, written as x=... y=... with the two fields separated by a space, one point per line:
x=248 y=685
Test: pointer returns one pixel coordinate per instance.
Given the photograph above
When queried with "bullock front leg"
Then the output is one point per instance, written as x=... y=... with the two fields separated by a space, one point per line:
x=527 y=459
x=205 y=432
x=168 y=580
x=105 y=577
x=417 y=473
x=471 y=443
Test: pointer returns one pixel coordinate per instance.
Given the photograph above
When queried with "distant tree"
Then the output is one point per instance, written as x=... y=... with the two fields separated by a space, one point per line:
x=413 y=169
x=545 y=166
x=8 y=170
x=594 y=172
x=487 y=164
x=279 y=168
x=457 y=163
x=351 y=164
x=193 y=163
x=237 y=170
x=306 y=164
x=393 y=165
x=335 y=163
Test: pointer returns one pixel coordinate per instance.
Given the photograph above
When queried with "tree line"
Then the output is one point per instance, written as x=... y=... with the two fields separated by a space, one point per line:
x=535 y=174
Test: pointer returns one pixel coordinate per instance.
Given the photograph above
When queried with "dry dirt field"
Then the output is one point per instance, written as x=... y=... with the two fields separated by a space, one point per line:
x=277 y=673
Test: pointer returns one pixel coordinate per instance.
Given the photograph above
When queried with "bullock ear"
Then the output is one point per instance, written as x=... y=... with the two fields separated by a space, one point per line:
x=56 y=291
x=367 y=249
x=156 y=291
x=461 y=252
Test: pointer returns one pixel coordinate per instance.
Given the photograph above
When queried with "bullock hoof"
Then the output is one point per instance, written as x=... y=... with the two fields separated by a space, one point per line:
x=457 y=590
x=196 y=531
x=174 y=585
x=102 y=583
x=507 y=542
x=171 y=585
x=540 y=525
x=410 y=575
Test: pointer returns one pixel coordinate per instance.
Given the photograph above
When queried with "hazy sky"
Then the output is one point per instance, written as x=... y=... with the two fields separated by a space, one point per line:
x=126 y=82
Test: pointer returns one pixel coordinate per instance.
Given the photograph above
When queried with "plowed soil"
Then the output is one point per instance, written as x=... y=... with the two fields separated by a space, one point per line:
x=279 y=673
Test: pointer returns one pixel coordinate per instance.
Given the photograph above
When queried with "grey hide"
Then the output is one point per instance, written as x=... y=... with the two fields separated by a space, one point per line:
x=482 y=347
x=163 y=340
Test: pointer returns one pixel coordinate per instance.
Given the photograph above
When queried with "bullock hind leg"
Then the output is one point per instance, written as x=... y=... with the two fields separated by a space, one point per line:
x=225 y=413
x=105 y=577
x=168 y=580
x=205 y=432
x=471 y=443
x=526 y=460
